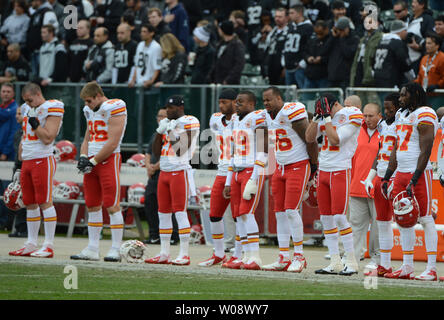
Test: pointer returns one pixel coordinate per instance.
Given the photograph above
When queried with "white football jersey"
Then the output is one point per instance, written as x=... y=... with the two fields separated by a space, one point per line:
x=408 y=150
x=387 y=134
x=337 y=158
x=222 y=132
x=169 y=160
x=244 y=137
x=147 y=60
x=97 y=123
x=289 y=147
x=32 y=146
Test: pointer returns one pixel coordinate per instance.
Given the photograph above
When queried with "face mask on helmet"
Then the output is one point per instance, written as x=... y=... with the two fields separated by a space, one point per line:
x=137 y=160
x=12 y=197
x=65 y=150
x=406 y=210
x=136 y=193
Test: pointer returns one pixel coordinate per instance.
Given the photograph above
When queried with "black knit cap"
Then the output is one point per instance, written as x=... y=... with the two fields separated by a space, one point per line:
x=228 y=94
x=175 y=100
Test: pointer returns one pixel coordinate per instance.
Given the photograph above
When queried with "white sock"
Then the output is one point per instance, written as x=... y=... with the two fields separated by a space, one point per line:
x=95 y=226
x=243 y=235
x=116 y=224
x=385 y=233
x=50 y=223
x=33 y=224
x=217 y=232
x=431 y=240
x=283 y=233
x=297 y=230
x=346 y=233
x=165 y=231
x=407 y=243
x=237 y=243
x=183 y=225
x=252 y=233
x=331 y=234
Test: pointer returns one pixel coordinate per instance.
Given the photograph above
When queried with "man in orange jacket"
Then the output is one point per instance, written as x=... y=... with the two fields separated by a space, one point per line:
x=362 y=208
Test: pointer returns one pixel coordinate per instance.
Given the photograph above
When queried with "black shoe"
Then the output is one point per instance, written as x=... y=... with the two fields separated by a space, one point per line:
x=173 y=242
x=152 y=241
x=18 y=234
x=226 y=250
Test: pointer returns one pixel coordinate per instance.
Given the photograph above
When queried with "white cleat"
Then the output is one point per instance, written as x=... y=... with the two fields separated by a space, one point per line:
x=43 y=252
x=86 y=254
x=298 y=263
x=428 y=275
x=254 y=263
x=334 y=267
x=214 y=260
x=281 y=264
x=113 y=255
x=350 y=265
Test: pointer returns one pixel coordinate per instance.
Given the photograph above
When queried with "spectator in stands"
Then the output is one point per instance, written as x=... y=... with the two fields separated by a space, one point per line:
x=148 y=59
x=338 y=10
x=16 y=26
x=361 y=74
x=99 y=64
x=392 y=65
x=140 y=12
x=53 y=58
x=43 y=15
x=123 y=54
x=20 y=229
x=341 y=48
x=107 y=15
x=16 y=67
x=203 y=61
x=58 y=10
x=401 y=11
x=174 y=61
x=8 y=127
x=238 y=19
x=431 y=70
x=439 y=28
x=362 y=207
x=354 y=8
x=78 y=51
x=316 y=10
x=193 y=9
x=230 y=56
x=366 y=10
x=421 y=24
x=275 y=43
x=177 y=19
x=317 y=67
x=156 y=20
x=299 y=32
x=128 y=18
x=353 y=101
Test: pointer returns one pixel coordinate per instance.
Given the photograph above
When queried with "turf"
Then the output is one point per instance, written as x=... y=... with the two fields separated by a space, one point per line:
x=35 y=282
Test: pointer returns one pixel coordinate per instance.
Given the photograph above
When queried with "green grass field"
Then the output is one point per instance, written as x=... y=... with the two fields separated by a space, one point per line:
x=35 y=282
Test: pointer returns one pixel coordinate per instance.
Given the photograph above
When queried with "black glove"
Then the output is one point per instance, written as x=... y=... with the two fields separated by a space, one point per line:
x=34 y=122
x=325 y=107
x=384 y=188
x=17 y=166
x=313 y=170
x=84 y=165
x=441 y=180
x=432 y=88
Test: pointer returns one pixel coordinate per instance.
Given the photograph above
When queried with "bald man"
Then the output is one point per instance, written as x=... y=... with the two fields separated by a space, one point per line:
x=362 y=207
x=353 y=101
x=124 y=54
x=99 y=64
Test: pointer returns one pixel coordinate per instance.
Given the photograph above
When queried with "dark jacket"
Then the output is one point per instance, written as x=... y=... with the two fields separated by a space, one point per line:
x=161 y=29
x=341 y=52
x=203 y=63
x=229 y=62
x=77 y=53
x=34 y=38
x=19 y=69
x=315 y=47
x=173 y=71
x=180 y=26
x=111 y=11
x=102 y=58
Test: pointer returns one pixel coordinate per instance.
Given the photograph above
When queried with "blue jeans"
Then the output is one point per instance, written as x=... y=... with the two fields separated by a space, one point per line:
x=296 y=77
x=320 y=83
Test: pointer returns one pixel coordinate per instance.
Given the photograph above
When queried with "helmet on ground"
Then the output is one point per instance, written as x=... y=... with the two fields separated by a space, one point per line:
x=136 y=193
x=204 y=195
x=310 y=195
x=65 y=150
x=12 y=197
x=196 y=235
x=133 y=251
x=66 y=190
x=136 y=160
x=406 y=210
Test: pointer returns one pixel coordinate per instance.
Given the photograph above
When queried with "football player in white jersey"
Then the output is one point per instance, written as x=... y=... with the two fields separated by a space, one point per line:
x=175 y=144
x=297 y=163
x=245 y=177
x=100 y=163
x=339 y=128
x=36 y=167
x=220 y=125
x=384 y=208
x=416 y=126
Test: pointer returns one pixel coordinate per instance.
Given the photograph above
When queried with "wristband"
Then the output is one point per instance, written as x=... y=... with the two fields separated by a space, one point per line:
x=327 y=119
x=83 y=155
x=229 y=177
x=93 y=161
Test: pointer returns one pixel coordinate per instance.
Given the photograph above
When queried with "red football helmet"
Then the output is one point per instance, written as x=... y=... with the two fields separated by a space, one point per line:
x=136 y=160
x=65 y=150
x=406 y=210
x=12 y=197
x=196 y=235
x=310 y=195
x=66 y=190
x=204 y=195
x=136 y=193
